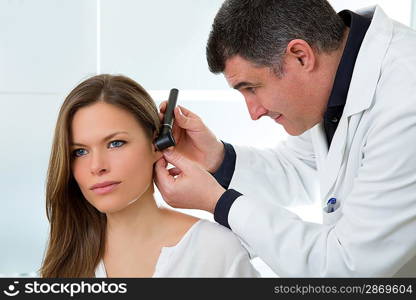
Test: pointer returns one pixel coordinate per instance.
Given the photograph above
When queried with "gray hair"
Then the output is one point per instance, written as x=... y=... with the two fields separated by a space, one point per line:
x=260 y=30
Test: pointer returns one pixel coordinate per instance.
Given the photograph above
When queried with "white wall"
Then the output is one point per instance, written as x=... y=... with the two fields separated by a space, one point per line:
x=399 y=10
x=160 y=50
x=48 y=46
x=45 y=47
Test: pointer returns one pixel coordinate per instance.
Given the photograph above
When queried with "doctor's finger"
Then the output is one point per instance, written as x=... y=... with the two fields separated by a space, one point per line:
x=162 y=176
x=161 y=116
x=162 y=162
x=186 y=112
x=175 y=171
x=178 y=160
x=162 y=106
x=190 y=121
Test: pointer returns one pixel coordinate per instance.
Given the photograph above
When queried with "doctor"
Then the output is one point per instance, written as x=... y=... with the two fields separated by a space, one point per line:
x=344 y=87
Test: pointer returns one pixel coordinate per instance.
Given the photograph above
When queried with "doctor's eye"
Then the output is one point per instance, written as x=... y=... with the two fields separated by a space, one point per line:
x=79 y=152
x=251 y=90
x=116 y=144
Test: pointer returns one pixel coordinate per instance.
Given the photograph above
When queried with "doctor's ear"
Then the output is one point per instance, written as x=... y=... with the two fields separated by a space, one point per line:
x=300 y=53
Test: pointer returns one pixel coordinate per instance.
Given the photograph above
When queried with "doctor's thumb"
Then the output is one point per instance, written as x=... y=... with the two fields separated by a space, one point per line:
x=182 y=120
x=177 y=159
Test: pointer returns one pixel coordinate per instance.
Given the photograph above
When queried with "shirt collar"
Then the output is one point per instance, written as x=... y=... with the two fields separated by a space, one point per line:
x=358 y=28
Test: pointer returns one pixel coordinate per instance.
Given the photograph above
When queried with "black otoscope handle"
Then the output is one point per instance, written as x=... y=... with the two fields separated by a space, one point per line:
x=165 y=138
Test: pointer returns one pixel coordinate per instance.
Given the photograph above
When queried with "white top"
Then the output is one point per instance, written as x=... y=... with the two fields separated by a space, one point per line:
x=206 y=250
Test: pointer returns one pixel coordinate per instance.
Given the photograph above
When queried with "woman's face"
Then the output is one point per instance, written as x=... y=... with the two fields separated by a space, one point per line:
x=110 y=149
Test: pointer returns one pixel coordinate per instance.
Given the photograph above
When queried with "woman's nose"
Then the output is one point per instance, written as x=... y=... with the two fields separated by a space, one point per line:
x=99 y=164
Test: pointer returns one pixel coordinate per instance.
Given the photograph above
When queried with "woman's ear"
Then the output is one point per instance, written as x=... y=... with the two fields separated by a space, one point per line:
x=156 y=153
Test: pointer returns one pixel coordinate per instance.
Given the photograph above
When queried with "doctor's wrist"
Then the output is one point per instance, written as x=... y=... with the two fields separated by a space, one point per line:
x=217 y=157
x=215 y=195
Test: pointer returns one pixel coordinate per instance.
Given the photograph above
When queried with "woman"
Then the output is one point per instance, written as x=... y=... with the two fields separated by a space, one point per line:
x=99 y=196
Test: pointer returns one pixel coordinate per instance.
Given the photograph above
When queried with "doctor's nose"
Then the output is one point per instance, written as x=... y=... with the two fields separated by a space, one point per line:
x=255 y=109
x=98 y=165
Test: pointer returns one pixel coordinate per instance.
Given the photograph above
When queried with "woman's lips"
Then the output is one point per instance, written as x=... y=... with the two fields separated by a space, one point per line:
x=106 y=189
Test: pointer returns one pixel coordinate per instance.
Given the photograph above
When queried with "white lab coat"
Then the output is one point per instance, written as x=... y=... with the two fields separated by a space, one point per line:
x=370 y=169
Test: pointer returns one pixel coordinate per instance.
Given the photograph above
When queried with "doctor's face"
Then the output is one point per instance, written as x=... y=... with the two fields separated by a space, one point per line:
x=112 y=156
x=292 y=100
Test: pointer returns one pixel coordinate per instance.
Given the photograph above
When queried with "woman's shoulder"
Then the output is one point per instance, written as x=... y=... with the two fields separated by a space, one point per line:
x=216 y=250
x=207 y=249
x=217 y=237
x=205 y=234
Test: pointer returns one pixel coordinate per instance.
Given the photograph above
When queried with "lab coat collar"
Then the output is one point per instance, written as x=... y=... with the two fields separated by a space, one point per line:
x=369 y=60
x=360 y=97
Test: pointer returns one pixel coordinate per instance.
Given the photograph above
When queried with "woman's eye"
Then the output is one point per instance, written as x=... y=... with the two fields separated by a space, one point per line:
x=79 y=152
x=116 y=144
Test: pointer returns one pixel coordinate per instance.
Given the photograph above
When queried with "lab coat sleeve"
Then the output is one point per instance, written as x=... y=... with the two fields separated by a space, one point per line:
x=286 y=174
x=373 y=233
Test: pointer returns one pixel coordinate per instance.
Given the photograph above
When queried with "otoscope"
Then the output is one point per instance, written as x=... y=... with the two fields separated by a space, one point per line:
x=165 y=138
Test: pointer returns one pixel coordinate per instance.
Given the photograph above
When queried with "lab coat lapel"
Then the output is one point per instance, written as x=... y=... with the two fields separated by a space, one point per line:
x=360 y=96
x=332 y=164
x=368 y=64
x=320 y=144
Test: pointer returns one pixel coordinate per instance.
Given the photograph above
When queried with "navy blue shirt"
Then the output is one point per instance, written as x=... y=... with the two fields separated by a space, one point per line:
x=358 y=28
x=336 y=102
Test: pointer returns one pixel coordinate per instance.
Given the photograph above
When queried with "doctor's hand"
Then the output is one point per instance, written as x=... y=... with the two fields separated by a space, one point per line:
x=187 y=185
x=194 y=140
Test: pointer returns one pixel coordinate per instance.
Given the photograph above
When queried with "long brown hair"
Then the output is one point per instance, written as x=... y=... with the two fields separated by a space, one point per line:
x=77 y=229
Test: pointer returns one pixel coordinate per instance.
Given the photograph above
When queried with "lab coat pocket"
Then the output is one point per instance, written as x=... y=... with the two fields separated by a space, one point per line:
x=330 y=218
